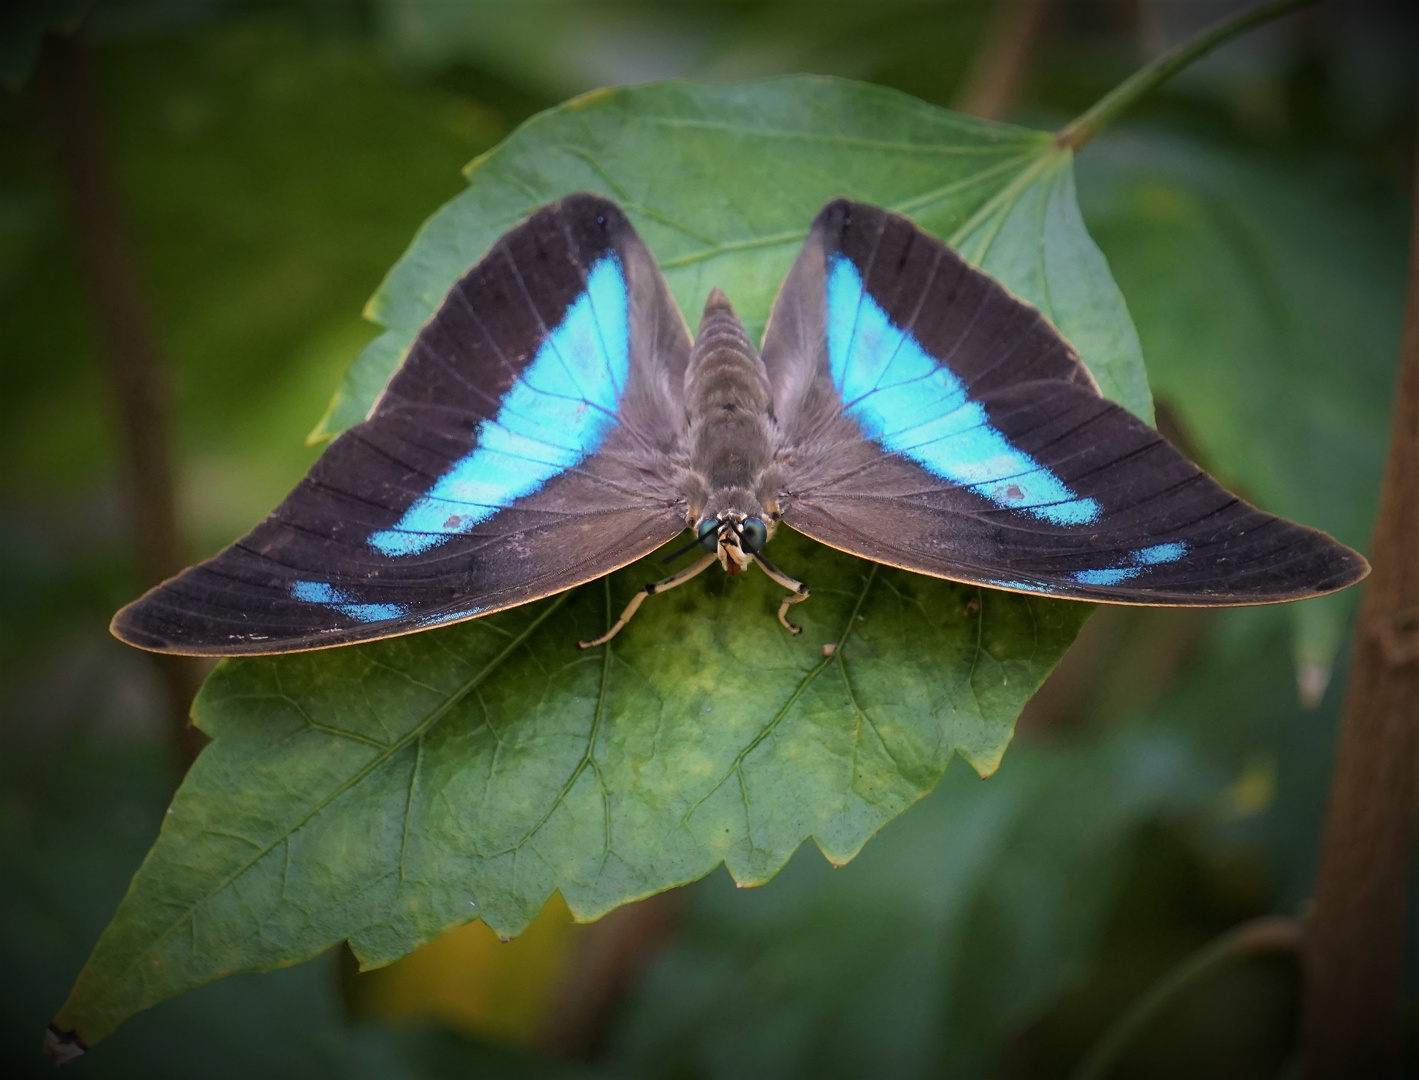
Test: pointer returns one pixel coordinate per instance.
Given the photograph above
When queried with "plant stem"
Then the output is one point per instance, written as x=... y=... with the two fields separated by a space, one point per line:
x=614 y=952
x=1350 y=1013
x=130 y=345
x=1270 y=934
x=992 y=84
x=1122 y=97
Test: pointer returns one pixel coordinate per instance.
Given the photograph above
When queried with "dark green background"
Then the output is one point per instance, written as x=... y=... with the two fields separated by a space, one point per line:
x=277 y=159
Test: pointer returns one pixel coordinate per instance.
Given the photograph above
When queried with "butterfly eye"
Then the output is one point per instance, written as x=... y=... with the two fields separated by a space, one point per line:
x=754 y=535
x=708 y=533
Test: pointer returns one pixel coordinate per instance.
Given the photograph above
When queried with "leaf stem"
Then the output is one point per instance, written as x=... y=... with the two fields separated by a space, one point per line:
x=1122 y=97
x=137 y=368
x=1270 y=934
x=991 y=88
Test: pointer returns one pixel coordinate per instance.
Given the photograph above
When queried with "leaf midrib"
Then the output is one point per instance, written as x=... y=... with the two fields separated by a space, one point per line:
x=1001 y=201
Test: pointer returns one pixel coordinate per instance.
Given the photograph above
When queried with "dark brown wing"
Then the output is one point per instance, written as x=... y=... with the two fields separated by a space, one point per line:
x=523 y=447
x=933 y=421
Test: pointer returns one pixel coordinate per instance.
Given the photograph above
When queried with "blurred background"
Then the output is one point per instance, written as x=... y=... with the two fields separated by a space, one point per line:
x=250 y=169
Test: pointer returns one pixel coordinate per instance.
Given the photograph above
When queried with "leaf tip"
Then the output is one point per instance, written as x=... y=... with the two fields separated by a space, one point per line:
x=985 y=765
x=591 y=97
x=322 y=432
x=63 y=1046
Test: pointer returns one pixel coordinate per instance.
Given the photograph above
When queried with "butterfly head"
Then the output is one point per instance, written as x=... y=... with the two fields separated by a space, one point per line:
x=735 y=537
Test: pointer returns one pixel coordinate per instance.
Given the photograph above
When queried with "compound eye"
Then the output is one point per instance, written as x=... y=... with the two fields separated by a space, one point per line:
x=708 y=533
x=753 y=536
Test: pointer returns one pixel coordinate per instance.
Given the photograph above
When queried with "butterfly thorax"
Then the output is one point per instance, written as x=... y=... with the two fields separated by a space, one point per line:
x=732 y=477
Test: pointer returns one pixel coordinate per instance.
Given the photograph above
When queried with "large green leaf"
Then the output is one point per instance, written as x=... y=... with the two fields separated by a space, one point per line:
x=386 y=793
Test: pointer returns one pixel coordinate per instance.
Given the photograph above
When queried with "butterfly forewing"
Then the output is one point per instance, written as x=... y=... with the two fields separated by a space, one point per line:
x=516 y=452
x=933 y=421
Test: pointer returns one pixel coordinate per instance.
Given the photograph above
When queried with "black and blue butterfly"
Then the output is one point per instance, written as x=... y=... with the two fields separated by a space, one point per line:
x=556 y=420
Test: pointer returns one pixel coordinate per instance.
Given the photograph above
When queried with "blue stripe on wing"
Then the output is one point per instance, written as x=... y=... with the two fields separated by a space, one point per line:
x=320 y=592
x=910 y=403
x=325 y=594
x=1135 y=563
x=556 y=414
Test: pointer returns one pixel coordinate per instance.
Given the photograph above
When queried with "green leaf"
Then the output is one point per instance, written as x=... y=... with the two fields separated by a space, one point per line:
x=1269 y=294
x=386 y=793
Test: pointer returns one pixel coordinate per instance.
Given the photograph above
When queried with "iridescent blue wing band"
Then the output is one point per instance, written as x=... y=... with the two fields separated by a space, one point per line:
x=556 y=414
x=933 y=421
x=514 y=453
x=912 y=404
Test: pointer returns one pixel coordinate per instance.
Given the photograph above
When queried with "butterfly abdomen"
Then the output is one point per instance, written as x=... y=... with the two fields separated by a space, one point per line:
x=728 y=407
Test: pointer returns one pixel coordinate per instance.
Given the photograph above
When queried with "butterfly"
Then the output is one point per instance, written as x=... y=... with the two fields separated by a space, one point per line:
x=555 y=420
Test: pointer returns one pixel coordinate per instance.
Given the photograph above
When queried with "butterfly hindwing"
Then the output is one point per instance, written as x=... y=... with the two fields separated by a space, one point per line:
x=518 y=450
x=933 y=421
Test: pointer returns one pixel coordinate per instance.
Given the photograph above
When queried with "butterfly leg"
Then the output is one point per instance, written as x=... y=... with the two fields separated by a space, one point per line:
x=677 y=578
x=797 y=591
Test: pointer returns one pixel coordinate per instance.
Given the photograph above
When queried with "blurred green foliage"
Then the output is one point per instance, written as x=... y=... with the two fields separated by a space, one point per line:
x=271 y=179
x=1267 y=289
x=22 y=29
x=957 y=925
x=277 y=158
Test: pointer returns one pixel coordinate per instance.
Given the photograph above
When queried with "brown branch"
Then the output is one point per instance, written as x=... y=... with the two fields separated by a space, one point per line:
x=130 y=346
x=991 y=88
x=1353 y=938
x=614 y=953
